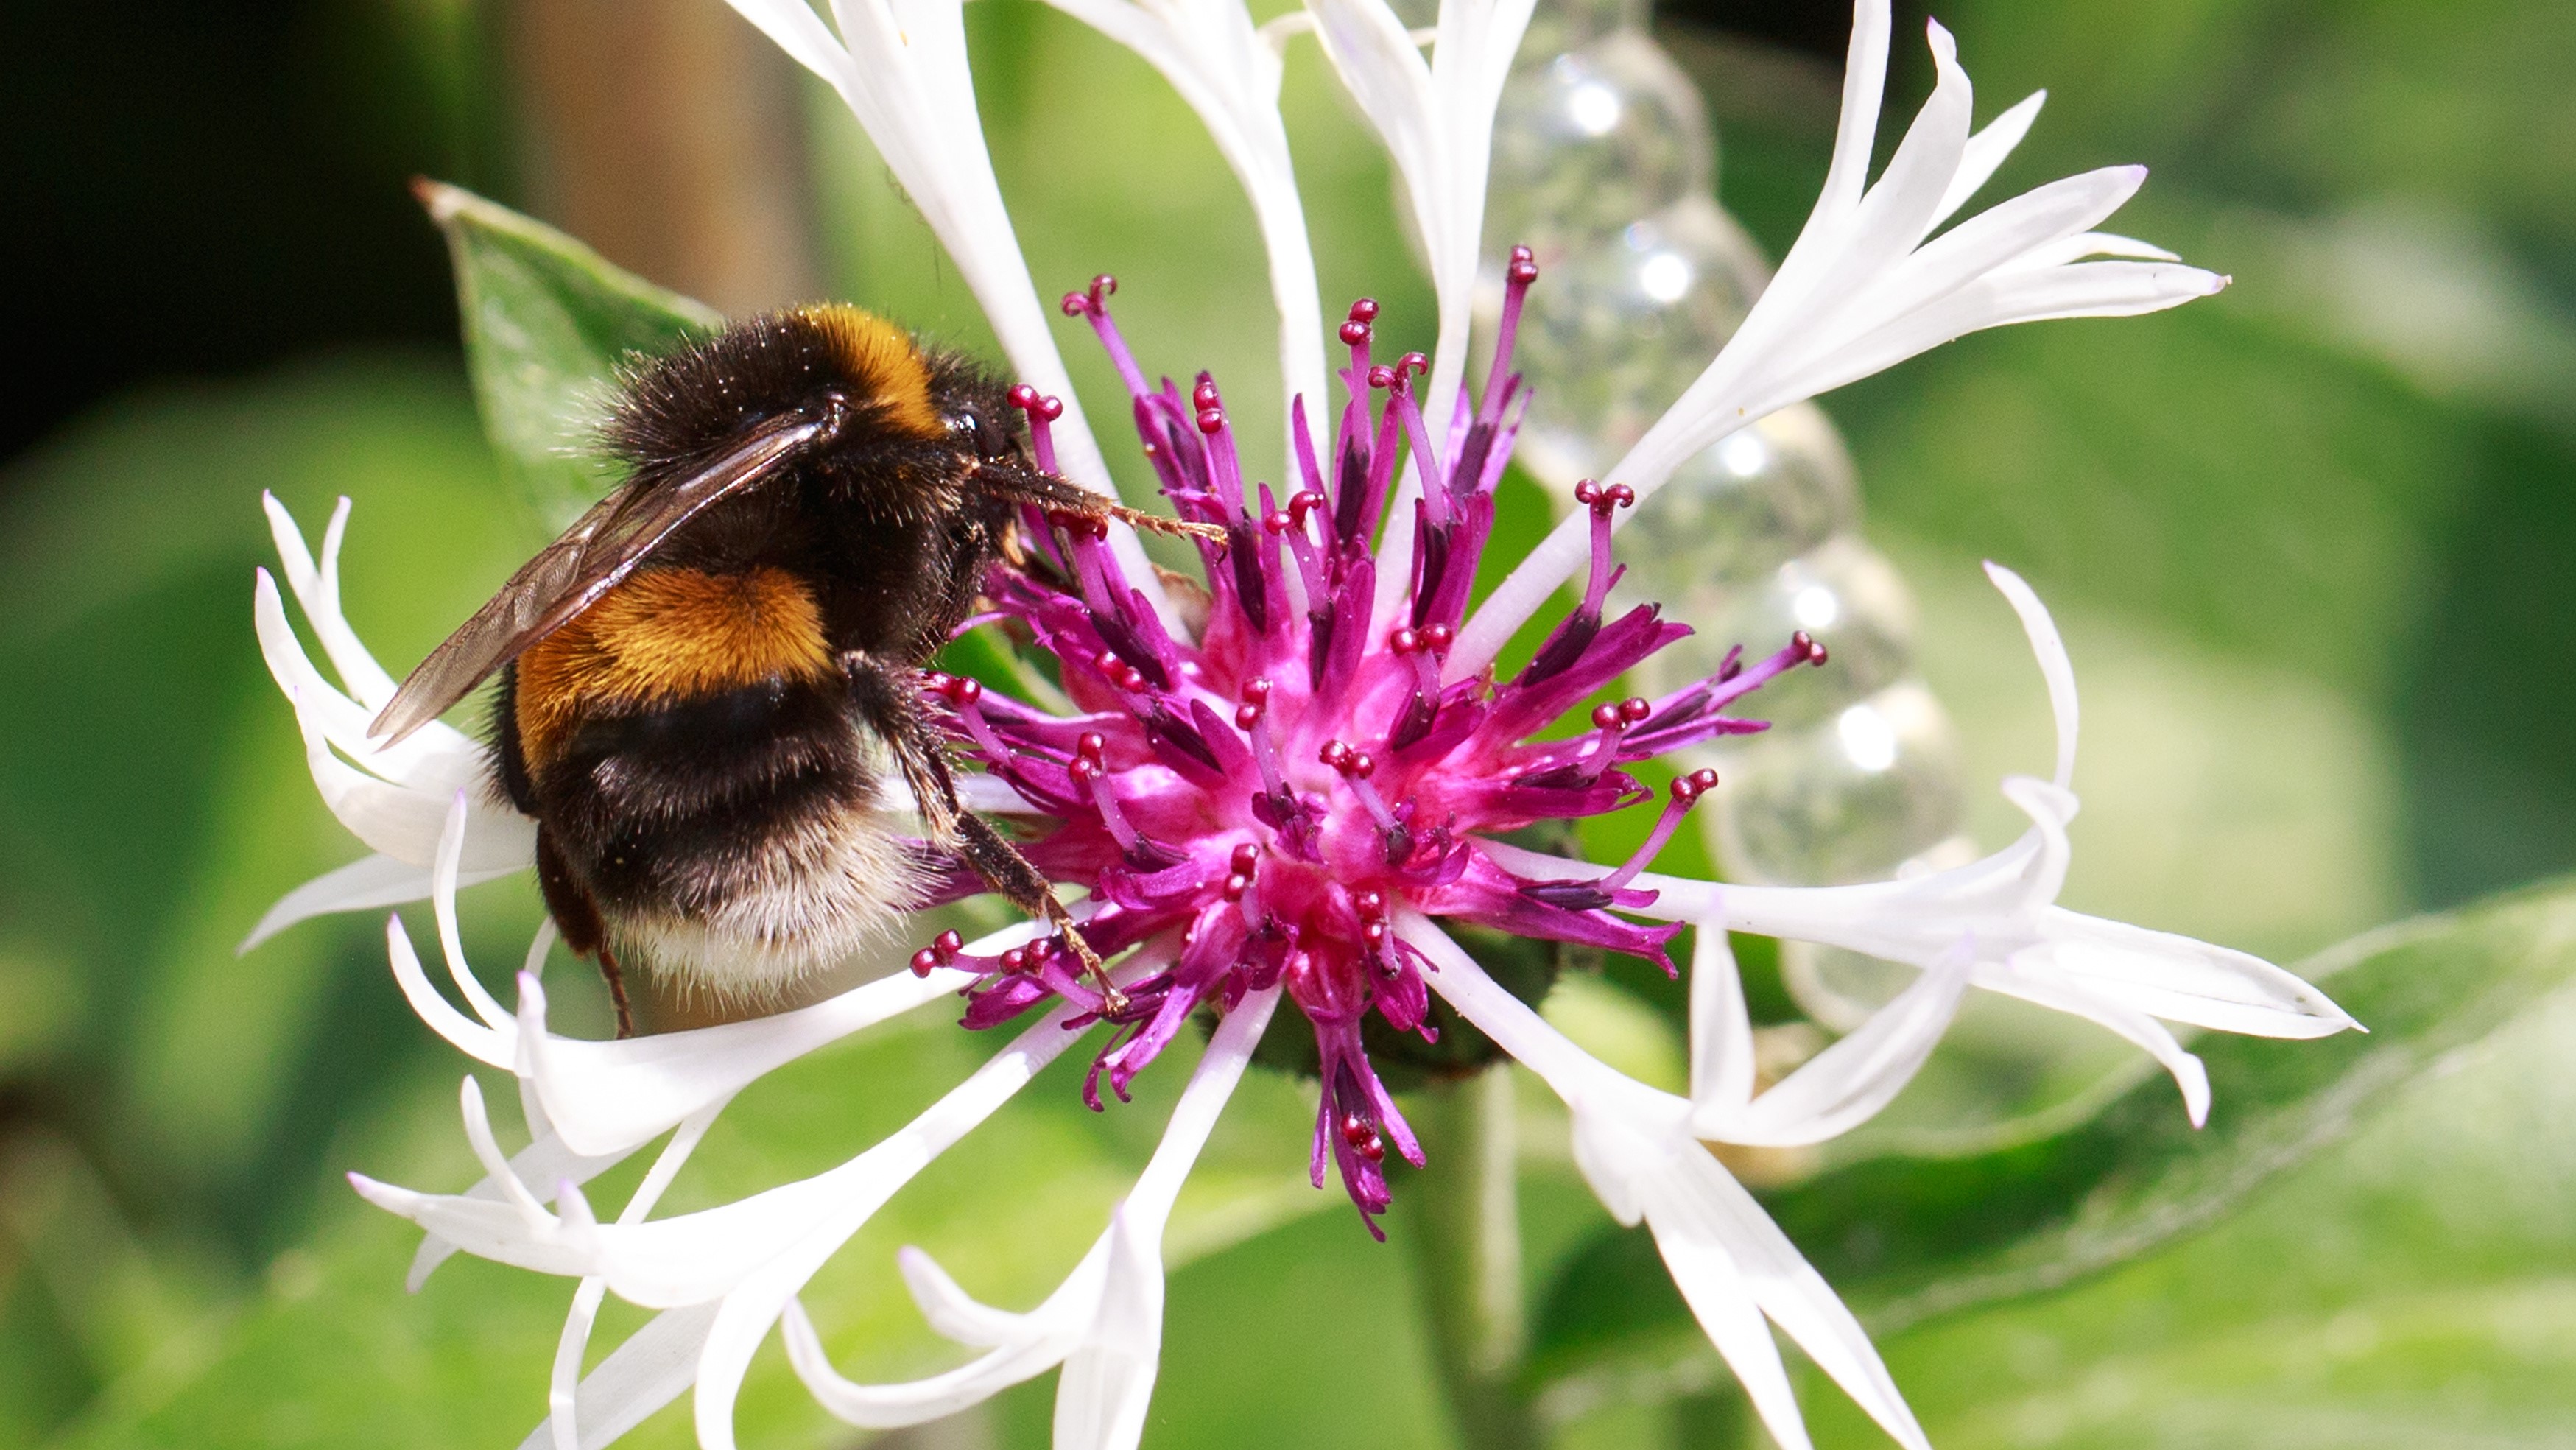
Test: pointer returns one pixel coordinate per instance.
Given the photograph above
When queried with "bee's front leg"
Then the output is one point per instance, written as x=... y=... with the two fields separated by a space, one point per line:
x=886 y=699
x=1013 y=483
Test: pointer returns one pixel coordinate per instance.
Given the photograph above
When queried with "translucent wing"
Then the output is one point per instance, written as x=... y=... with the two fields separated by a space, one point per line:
x=601 y=548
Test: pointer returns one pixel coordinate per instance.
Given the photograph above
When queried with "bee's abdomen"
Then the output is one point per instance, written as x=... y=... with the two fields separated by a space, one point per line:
x=692 y=754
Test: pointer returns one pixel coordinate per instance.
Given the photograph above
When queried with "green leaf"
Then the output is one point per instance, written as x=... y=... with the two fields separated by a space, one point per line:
x=548 y=323
x=1909 y=1241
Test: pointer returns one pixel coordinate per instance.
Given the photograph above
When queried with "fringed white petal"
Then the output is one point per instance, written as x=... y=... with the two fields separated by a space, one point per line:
x=651 y=1369
x=1845 y=1085
x=1228 y=72
x=1437 y=121
x=1103 y=1324
x=726 y=1251
x=1997 y=918
x=1861 y=290
x=1635 y=1148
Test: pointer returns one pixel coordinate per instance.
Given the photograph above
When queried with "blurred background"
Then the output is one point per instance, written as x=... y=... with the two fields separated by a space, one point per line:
x=2309 y=541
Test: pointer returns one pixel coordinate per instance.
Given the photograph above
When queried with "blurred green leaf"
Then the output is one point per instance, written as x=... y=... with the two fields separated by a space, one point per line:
x=1906 y=1240
x=548 y=322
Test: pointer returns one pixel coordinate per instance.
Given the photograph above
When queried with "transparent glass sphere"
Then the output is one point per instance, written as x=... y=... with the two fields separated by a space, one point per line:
x=1618 y=326
x=1589 y=141
x=1555 y=28
x=1730 y=517
x=1847 y=799
x=1845 y=595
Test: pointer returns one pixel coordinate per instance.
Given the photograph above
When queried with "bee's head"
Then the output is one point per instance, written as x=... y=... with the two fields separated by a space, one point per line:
x=976 y=410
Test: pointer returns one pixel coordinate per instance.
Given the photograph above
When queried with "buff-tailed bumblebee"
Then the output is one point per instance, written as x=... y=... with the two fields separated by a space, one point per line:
x=705 y=682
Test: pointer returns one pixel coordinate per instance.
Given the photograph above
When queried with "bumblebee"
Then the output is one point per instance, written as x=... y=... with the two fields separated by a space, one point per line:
x=708 y=680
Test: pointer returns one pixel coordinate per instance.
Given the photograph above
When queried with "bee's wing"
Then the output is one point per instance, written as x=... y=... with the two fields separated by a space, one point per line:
x=601 y=548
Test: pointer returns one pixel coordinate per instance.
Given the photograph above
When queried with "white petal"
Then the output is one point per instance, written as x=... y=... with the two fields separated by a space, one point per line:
x=2049 y=648
x=546 y=1160
x=1103 y=1324
x=1796 y=1297
x=1848 y=1083
x=1853 y=296
x=901 y=67
x=607 y=1096
x=370 y=881
x=1721 y=1029
x=1220 y=64
x=1634 y=1148
x=318 y=591
x=436 y=759
x=483 y=1044
x=2034 y=982
x=2182 y=980
x=648 y=1371
x=1987 y=151
x=956 y=1314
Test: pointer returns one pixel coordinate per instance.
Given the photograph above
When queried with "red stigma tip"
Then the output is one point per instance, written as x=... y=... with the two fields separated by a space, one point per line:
x=1438 y=636
x=1246 y=856
x=1621 y=495
x=1102 y=286
x=1277 y=521
x=1303 y=502
x=1333 y=754
x=1204 y=395
x=1235 y=886
x=1050 y=407
x=1606 y=717
x=1083 y=770
x=1364 y=310
x=922 y=962
x=1414 y=362
x=1355 y=1130
x=1015 y=958
x=1246 y=716
x=1374 y=933
x=1381 y=376
x=967 y=691
x=1634 y=709
x=1256 y=692
x=1523 y=254
x=1586 y=491
x=1211 y=419
x=1076 y=305
x=1370 y=903
x=948 y=944
x=1362 y=765
x=1374 y=1150
x=1023 y=396
x=1354 y=333
x=1404 y=641
x=1091 y=743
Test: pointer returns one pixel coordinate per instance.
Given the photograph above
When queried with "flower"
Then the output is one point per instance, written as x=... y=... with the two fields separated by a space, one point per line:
x=1289 y=784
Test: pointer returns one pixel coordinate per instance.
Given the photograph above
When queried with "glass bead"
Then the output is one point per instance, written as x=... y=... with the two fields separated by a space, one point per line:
x=1847 y=799
x=1591 y=140
x=1845 y=595
x=1729 y=518
x=1618 y=326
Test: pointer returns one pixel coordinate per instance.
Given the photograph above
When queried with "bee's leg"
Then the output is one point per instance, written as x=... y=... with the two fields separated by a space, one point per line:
x=885 y=697
x=577 y=918
x=1015 y=484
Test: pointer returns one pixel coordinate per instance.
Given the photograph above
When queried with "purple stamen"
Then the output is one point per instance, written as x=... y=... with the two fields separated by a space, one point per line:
x=1042 y=411
x=1093 y=303
x=1517 y=277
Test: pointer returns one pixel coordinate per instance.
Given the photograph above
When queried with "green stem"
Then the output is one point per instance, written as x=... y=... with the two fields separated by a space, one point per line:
x=1467 y=1258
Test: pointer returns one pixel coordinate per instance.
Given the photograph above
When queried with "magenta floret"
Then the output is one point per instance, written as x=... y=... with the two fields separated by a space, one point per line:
x=1266 y=801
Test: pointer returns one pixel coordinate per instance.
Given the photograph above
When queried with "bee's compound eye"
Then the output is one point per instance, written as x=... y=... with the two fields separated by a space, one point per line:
x=990 y=438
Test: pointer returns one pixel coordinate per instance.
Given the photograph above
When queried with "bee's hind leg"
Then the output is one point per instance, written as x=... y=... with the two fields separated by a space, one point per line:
x=885 y=697
x=577 y=918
